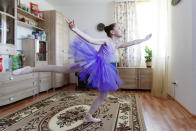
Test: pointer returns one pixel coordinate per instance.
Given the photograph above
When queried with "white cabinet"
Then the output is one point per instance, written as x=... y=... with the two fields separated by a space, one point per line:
x=18 y=88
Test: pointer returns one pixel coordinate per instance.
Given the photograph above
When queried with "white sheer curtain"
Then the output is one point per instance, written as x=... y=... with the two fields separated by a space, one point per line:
x=125 y=15
x=160 y=48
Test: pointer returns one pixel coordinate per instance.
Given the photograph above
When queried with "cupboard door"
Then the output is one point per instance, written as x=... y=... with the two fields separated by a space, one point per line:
x=129 y=78
x=60 y=39
x=45 y=84
x=145 y=77
x=65 y=42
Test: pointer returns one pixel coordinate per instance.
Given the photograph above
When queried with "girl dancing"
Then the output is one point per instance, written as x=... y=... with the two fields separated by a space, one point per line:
x=95 y=65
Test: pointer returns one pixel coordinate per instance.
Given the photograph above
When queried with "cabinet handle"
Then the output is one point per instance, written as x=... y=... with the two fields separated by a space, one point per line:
x=10 y=76
x=11 y=98
x=34 y=91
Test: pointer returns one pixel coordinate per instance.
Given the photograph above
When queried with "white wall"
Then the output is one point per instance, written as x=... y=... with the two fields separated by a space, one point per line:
x=22 y=31
x=181 y=60
x=43 y=4
x=87 y=15
x=194 y=54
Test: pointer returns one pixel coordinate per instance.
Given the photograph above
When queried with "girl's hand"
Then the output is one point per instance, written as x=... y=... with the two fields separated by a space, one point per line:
x=72 y=24
x=148 y=37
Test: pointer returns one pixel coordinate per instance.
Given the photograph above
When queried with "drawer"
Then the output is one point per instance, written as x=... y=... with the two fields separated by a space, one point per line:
x=129 y=84
x=8 y=87
x=44 y=74
x=4 y=100
x=127 y=71
x=6 y=77
x=146 y=71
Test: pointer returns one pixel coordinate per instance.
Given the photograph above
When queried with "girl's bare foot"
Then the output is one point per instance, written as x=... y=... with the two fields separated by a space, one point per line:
x=89 y=118
x=24 y=70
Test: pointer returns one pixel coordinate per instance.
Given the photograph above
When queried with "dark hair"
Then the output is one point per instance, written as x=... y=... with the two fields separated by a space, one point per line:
x=108 y=28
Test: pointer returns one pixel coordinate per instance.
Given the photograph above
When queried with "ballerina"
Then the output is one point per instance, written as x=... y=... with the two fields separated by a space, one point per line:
x=97 y=66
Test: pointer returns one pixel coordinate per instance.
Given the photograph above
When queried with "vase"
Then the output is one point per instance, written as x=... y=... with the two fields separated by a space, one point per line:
x=148 y=64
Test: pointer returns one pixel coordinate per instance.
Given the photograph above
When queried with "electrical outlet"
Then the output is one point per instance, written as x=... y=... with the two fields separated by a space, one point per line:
x=175 y=83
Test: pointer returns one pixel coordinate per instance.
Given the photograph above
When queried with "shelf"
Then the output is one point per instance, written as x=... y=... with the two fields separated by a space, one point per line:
x=6 y=14
x=29 y=15
x=29 y=26
x=34 y=39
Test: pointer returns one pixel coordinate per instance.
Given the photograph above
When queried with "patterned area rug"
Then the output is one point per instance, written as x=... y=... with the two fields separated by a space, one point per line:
x=65 y=111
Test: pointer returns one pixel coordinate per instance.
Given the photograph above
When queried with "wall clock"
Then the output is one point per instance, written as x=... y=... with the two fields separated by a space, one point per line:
x=100 y=27
x=175 y=2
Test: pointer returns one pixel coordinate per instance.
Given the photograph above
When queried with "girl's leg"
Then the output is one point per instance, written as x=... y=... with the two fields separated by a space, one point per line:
x=99 y=100
x=48 y=68
x=52 y=68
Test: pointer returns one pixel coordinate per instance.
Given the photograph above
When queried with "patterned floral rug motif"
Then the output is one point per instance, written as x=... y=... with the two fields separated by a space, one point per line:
x=65 y=111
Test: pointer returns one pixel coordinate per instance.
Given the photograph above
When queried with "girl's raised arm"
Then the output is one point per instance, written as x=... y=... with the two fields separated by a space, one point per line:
x=86 y=37
x=134 y=42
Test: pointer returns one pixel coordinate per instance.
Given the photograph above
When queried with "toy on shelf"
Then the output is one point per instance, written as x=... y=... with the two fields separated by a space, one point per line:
x=35 y=10
x=40 y=35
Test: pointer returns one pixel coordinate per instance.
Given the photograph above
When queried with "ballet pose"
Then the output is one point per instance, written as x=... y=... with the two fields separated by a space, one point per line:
x=94 y=65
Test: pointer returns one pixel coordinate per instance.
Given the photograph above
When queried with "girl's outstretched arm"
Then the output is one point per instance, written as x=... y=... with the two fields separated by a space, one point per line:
x=134 y=42
x=86 y=37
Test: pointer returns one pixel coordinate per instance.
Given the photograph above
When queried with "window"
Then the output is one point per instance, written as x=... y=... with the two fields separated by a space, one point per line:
x=144 y=11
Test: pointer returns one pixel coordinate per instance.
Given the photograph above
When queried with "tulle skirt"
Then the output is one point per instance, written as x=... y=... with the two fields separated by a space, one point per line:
x=101 y=74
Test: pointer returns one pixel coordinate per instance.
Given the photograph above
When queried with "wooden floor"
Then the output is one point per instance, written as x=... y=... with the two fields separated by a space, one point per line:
x=159 y=114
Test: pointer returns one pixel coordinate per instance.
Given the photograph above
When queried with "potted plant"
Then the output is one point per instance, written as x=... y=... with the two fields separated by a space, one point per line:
x=148 y=57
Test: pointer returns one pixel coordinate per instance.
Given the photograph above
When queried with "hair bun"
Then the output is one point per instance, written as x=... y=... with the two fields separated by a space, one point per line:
x=106 y=28
x=100 y=27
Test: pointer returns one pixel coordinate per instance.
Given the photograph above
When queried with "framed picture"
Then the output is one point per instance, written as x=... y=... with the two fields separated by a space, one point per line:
x=175 y=2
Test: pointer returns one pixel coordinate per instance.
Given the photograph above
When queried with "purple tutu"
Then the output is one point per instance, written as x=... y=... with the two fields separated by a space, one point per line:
x=95 y=65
